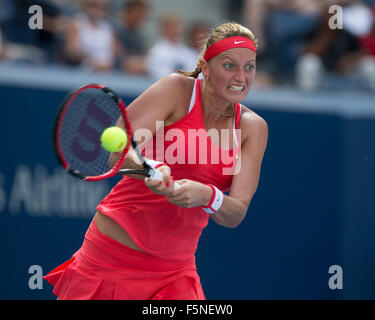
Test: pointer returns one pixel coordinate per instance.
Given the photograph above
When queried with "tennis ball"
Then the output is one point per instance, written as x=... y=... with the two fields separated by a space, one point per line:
x=114 y=139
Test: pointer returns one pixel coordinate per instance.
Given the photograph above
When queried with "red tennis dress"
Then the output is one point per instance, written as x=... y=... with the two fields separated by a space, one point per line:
x=167 y=234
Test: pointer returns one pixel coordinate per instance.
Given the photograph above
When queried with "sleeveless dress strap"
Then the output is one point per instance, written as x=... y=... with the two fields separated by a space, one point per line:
x=192 y=100
x=236 y=123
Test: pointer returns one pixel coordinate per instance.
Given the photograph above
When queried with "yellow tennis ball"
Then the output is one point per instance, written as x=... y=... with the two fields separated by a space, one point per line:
x=114 y=139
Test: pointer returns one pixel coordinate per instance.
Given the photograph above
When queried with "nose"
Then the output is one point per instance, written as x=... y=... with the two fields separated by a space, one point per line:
x=240 y=75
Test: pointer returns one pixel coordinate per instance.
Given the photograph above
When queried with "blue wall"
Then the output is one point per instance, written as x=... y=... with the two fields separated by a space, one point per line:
x=314 y=206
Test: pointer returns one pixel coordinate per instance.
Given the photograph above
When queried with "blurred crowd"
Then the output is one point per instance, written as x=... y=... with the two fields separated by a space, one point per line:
x=296 y=43
x=101 y=35
x=304 y=42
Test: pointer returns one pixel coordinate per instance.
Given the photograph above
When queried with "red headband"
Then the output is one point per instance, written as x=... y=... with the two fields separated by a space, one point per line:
x=228 y=43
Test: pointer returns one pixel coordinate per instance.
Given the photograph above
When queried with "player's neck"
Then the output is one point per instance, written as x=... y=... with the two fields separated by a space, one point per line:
x=213 y=106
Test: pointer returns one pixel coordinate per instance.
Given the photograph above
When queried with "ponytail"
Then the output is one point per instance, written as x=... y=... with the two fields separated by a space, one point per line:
x=193 y=74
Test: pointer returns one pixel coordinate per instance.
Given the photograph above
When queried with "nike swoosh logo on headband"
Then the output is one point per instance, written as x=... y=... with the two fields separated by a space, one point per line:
x=238 y=42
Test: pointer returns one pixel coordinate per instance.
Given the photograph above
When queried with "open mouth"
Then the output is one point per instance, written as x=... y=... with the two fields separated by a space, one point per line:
x=236 y=88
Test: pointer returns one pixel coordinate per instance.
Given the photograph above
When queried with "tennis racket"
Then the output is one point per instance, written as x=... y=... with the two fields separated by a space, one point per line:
x=82 y=117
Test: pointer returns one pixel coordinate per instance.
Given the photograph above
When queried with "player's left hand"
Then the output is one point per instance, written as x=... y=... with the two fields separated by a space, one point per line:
x=190 y=194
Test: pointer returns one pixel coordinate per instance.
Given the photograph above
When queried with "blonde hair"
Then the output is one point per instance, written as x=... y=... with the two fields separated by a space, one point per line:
x=225 y=30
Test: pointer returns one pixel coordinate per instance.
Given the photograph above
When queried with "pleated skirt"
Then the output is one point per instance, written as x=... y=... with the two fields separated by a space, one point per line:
x=104 y=269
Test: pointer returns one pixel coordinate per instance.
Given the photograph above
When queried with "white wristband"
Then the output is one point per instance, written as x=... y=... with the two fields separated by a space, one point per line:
x=216 y=200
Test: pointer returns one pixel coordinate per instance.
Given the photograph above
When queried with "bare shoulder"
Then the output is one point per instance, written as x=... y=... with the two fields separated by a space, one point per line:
x=251 y=124
x=168 y=91
x=176 y=91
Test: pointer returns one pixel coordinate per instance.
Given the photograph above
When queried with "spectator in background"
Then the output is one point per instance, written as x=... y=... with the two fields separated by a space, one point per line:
x=197 y=36
x=290 y=17
x=55 y=22
x=128 y=28
x=366 y=64
x=169 y=53
x=281 y=27
x=26 y=44
x=90 y=39
x=359 y=20
x=342 y=52
x=367 y=41
x=2 y=46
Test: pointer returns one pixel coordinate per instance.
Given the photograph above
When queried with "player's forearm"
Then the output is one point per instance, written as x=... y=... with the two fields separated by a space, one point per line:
x=231 y=212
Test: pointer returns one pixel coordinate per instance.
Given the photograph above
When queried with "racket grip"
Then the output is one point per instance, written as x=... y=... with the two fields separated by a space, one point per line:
x=157 y=175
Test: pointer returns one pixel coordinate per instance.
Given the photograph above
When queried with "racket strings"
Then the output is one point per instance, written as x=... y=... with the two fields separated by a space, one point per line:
x=88 y=114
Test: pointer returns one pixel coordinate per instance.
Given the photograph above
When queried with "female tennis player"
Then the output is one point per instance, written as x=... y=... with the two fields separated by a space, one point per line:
x=141 y=243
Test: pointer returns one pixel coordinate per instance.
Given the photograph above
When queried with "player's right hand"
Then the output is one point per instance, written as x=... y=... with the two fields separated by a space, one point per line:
x=164 y=187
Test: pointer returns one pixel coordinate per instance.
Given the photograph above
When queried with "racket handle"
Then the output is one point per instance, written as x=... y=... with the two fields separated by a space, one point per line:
x=157 y=175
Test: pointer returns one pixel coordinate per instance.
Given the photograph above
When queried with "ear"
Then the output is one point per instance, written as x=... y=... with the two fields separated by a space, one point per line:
x=205 y=69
